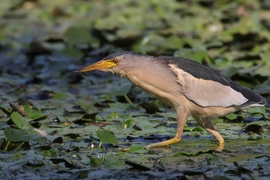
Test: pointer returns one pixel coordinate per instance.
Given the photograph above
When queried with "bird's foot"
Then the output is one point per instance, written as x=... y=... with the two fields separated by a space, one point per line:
x=220 y=146
x=163 y=143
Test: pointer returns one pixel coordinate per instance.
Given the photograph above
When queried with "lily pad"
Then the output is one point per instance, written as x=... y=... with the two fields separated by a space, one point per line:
x=137 y=149
x=20 y=121
x=106 y=136
x=16 y=135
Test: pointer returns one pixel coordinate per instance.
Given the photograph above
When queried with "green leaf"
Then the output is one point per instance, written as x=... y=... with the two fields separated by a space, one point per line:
x=113 y=161
x=113 y=115
x=231 y=116
x=137 y=149
x=17 y=156
x=106 y=136
x=257 y=109
x=119 y=105
x=35 y=115
x=183 y=153
x=16 y=135
x=189 y=129
x=229 y=72
x=61 y=95
x=255 y=137
x=196 y=55
x=95 y=162
x=20 y=121
x=127 y=123
x=53 y=152
x=77 y=35
x=71 y=53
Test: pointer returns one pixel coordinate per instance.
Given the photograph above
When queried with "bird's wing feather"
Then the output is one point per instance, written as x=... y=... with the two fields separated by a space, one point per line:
x=207 y=92
x=202 y=72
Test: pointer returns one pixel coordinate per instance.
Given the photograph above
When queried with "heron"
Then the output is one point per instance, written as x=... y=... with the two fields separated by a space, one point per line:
x=191 y=88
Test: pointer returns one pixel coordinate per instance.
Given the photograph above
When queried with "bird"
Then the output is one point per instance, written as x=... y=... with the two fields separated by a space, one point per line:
x=189 y=87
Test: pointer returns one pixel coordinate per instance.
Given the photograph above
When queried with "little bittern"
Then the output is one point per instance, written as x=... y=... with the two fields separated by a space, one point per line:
x=189 y=87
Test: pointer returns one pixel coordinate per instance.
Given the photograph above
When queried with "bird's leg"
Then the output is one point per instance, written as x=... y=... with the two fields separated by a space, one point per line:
x=182 y=114
x=209 y=127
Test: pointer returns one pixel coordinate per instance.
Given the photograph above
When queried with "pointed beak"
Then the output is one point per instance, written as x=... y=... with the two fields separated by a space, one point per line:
x=97 y=66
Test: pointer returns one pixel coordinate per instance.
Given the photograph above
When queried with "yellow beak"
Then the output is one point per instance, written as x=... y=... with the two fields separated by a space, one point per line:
x=97 y=66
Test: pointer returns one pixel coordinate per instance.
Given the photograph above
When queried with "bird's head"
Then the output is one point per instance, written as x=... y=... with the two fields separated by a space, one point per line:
x=119 y=63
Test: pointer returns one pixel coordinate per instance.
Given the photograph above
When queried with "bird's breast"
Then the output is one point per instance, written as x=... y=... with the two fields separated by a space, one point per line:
x=159 y=89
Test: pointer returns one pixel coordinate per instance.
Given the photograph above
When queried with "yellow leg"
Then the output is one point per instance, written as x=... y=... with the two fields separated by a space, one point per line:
x=163 y=143
x=220 y=146
x=182 y=114
x=209 y=127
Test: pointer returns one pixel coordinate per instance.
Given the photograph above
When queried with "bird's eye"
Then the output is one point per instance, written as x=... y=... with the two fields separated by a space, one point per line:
x=115 y=61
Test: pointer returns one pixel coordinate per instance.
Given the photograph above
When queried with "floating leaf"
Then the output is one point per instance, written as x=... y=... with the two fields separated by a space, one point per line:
x=113 y=115
x=255 y=137
x=137 y=149
x=127 y=123
x=257 y=109
x=77 y=35
x=232 y=116
x=16 y=135
x=20 y=121
x=95 y=162
x=106 y=136
x=32 y=114
x=113 y=161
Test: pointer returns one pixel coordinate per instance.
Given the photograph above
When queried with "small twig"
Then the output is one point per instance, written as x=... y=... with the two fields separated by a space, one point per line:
x=6 y=147
x=18 y=109
x=127 y=99
x=100 y=144
x=6 y=111
x=20 y=146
